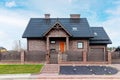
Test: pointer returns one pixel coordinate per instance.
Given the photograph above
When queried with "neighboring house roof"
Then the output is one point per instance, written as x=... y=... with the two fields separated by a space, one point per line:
x=2 y=48
x=37 y=27
x=117 y=49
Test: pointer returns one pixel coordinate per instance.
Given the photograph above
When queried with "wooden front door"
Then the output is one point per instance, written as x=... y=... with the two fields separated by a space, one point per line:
x=62 y=46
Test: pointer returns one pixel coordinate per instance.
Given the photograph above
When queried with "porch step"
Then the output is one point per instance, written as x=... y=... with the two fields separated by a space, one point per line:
x=50 y=68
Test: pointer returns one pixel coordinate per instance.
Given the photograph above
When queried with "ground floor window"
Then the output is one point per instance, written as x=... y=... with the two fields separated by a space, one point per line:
x=80 y=45
x=52 y=42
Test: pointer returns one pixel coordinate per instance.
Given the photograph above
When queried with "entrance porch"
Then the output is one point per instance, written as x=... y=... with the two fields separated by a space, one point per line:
x=56 y=46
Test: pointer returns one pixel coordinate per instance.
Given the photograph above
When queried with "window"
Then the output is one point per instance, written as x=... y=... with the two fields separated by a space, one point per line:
x=52 y=42
x=74 y=28
x=80 y=45
x=95 y=34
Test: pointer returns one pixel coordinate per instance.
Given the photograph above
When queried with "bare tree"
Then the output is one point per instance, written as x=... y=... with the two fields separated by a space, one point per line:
x=16 y=45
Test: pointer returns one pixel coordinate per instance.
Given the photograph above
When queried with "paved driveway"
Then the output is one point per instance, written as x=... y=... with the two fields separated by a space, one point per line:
x=87 y=70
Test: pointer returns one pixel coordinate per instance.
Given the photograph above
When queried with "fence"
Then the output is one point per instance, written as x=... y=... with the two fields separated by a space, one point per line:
x=10 y=56
x=84 y=57
x=40 y=56
x=22 y=57
x=35 y=56
x=71 y=56
x=115 y=55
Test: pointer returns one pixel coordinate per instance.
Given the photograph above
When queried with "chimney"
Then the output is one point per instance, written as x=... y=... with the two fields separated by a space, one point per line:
x=74 y=16
x=47 y=16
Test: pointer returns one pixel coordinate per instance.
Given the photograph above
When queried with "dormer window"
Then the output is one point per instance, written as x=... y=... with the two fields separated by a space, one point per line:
x=74 y=28
x=95 y=33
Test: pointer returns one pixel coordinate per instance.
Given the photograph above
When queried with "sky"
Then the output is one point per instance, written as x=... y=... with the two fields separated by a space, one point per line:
x=15 y=15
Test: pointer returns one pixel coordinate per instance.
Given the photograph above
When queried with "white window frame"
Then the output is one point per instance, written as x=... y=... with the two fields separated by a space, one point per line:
x=52 y=42
x=80 y=45
x=74 y=28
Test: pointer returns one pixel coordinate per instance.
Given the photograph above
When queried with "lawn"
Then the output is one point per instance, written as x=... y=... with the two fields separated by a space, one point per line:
x=19 y=69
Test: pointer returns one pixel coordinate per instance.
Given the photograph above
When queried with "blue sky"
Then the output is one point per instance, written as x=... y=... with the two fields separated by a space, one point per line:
x=15 y=14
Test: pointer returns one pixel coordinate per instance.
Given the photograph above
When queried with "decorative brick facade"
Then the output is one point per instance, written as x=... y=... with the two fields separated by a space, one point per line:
x=74 y=45
x=57 y=33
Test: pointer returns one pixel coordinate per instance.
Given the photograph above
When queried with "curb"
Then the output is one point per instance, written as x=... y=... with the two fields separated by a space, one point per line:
x=14 y=76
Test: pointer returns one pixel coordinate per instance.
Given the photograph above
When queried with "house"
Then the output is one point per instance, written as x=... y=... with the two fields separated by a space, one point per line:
x=117 y=49
x=2 y=49
x=67 y=36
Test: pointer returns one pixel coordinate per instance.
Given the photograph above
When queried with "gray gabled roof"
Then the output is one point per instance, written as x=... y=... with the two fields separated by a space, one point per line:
x=38 y=26
x=100 y=36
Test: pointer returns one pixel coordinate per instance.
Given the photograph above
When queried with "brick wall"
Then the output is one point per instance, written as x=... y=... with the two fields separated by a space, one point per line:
x=36 y=44
x=74 y=45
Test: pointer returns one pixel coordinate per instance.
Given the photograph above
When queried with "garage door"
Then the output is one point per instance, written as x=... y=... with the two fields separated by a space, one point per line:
x=96 y=54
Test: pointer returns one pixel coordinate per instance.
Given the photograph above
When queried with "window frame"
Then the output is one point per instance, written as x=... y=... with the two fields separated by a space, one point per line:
x=52 y=42
x=74 y=28
x=80 y=45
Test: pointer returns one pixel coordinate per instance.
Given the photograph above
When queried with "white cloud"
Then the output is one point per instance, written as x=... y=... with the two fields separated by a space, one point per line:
x=115 y=12
x=12 y=24
x=3 y=35
x=10 y=4
x=70 y=1
x=13 y=21
x=112 y=24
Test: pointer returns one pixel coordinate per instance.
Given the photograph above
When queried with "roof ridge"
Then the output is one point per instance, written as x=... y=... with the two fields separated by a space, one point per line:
x=96 y=27
x=56 y=18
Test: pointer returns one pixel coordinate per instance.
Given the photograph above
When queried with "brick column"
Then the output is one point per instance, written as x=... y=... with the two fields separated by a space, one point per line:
x=47 y=41
x=22 y=57
x=84 y=56
x=109 y=57
x=67 y=43
x=47 y=57
x=48 y=51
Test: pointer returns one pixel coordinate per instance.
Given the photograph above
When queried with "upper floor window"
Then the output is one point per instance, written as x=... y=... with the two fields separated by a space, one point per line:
x=74 y=28
x=95 y=33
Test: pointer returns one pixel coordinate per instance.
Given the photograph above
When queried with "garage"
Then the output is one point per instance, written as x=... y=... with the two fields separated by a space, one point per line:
x=96 y=54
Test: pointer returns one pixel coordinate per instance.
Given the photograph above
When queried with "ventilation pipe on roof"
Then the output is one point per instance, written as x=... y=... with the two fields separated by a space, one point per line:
x=74 y=16
x=47 y=16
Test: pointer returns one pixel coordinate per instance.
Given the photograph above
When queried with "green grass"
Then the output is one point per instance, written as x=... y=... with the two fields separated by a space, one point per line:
x=20 y=69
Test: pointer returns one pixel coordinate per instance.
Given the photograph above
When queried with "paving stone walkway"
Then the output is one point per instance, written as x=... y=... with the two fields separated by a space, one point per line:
x=50 y=69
